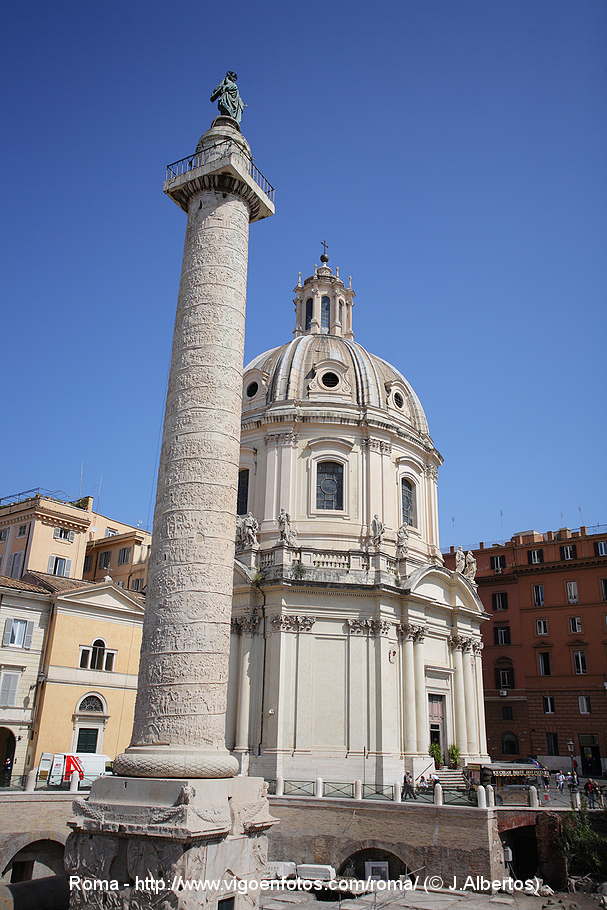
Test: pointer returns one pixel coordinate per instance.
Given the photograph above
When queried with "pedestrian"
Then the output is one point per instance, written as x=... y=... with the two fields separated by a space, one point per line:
x=560 y=781
x=590 y=789
x=407 y=790
x=7 y=768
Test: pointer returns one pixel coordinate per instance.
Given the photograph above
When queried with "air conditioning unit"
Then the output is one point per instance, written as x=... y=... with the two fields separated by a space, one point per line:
x=503 y=692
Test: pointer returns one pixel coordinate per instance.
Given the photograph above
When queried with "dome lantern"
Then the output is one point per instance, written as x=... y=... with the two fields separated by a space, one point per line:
x=323 y=305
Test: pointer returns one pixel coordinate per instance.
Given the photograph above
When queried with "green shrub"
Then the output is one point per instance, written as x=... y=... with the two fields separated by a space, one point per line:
x=437 y=755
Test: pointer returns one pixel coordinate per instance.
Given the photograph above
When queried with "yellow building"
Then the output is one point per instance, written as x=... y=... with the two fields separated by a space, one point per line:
x=89 y=670
x=124 y=557
x=42 y=533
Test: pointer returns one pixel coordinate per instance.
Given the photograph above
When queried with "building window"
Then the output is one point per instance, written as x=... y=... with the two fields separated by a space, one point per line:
x=124 y=555
x=600 y=547
x=541 y=626
x=504 y=674
x=330 y=485
x=501 y=635
x=91 y=703
x=499 y=600
x=510 y=744
x=252 y=389
x=568 y=551
x=579 y=662
x=309 y=313
x=242 y=500
x=111 y=532
x=552 y=744
x=549 y=704
x=535 y=557
x=538 y=595
x=572 y=595
x=604 y=588
x=104 y=560
x=17 y=633
x=543 y=659
x=15 y=564
x=330 y=380
x=408 y=502
x=498 y=563
x=97 y=657
x=59 y=565
x=575 y=623
x=87 y=563
x=507 y=713
x=9 y=681
x=584 y=704
x=87 y=739
x=325 y=314
x=63 y=534
x=3 y=534
x=22 y=531
x=136 y=584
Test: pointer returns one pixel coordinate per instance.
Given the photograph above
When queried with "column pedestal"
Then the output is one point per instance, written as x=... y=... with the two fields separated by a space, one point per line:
x=168 y=832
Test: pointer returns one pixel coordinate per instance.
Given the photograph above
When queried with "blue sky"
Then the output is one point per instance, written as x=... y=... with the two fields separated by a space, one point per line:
x=453 y=155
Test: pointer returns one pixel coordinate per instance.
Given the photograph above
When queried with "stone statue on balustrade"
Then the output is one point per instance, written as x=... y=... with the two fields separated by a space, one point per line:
x=470 y=567
x=402 y=542
x=227 y=96
x=460 y=560
x=377 y=531
x=247 y=527
x=288 y=534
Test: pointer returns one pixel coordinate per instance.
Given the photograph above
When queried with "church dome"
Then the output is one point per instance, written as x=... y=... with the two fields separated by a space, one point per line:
x=324 y=365
x=328 y=368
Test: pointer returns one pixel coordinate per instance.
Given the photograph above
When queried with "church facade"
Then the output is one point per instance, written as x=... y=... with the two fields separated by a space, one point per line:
x=353 y=647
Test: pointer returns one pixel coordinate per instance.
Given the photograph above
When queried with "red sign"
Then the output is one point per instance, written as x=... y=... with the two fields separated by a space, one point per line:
x=72 y=763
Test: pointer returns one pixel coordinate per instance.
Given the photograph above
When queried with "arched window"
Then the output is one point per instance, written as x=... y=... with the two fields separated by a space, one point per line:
x=98 y=655
x=325 y=314
x=242 y=502
x=91 y=703
x=510 y=744
x=330 y=485
x=309 y=311
x=504 y=673
x=409 y=503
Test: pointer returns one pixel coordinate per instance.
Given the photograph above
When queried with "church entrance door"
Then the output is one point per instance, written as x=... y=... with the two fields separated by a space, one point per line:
x=436 y=716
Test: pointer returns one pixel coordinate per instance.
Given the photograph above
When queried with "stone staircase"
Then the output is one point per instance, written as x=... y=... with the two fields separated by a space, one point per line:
x=452 y=780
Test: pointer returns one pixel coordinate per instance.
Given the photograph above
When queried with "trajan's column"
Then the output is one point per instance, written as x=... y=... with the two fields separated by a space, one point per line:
x=174 y=807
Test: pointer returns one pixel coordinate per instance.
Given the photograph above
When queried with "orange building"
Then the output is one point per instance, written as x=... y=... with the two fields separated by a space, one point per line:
x=545 y=650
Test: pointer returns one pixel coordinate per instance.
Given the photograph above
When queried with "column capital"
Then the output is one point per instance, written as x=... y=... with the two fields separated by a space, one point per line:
x=460 y=642
x=246 y=623
x=378 y=627
x=286 y=623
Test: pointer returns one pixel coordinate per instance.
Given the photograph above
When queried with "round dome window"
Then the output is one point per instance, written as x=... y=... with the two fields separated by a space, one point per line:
x=252 y=389
x=330 y=380
x=398 y=400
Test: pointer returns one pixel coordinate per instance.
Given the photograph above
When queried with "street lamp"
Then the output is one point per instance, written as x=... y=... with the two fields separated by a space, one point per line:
x=571 y=747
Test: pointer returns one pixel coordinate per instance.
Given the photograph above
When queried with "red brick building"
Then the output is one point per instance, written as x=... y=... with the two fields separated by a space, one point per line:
x=545 y=653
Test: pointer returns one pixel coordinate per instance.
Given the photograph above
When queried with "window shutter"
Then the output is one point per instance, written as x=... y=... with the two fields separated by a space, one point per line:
x=529 y=557
x=16 y=566
x=8 y=625
x=71 y=536
x=29 y=631
x=51 y=564
x=574 y=551
x=56 y=533
x=8 y=690
x=68 y=568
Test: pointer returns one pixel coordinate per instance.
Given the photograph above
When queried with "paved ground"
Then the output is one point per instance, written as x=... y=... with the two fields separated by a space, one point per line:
x=420 y=900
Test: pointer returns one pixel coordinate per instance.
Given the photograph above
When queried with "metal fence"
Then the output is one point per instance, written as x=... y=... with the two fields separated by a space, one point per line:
x=338 y=790
x=299 y=788
x=213 y=153
x=373 y=791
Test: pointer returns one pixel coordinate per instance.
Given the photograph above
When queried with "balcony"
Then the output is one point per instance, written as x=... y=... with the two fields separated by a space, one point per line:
x=212 y=154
